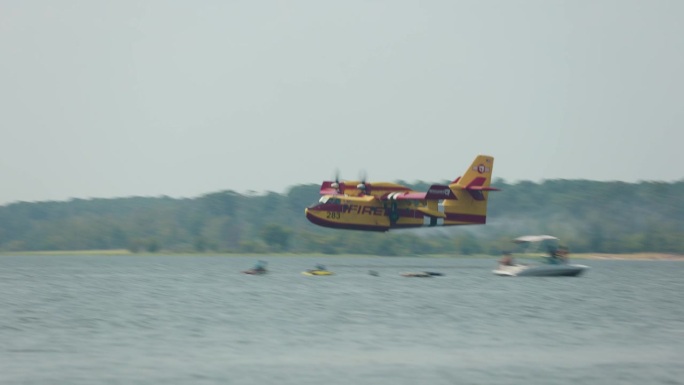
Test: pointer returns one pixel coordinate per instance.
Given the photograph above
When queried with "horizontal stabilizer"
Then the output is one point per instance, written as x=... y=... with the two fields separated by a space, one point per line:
x=438 y=191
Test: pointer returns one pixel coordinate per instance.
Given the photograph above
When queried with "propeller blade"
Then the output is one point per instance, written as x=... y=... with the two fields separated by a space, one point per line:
x=362 y=185
x=337 y=185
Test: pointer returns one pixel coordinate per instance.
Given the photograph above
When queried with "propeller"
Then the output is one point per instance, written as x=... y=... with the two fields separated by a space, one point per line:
x=362 y=185
x=336 y=184
x=339 y=186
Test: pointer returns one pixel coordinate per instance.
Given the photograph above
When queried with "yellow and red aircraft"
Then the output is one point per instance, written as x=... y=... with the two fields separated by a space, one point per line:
x=358 y=205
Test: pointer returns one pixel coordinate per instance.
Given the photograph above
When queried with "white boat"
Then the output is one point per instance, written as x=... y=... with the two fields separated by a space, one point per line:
x=556 y=263
x=543 y=270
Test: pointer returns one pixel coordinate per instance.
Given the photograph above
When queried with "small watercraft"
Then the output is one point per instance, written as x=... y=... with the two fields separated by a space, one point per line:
x=319 y=270
x=258 y=269
x=434 y=273
x=420 y=274
x=255 y=272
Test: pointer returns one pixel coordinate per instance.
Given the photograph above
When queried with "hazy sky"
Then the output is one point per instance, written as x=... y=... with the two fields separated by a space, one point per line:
x=102 y=99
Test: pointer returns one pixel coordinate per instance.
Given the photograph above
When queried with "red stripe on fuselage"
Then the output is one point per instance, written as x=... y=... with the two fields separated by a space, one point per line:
x=335 y=208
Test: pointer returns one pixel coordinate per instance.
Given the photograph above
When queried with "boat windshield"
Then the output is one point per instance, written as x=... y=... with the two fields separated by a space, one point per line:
x=535 y=245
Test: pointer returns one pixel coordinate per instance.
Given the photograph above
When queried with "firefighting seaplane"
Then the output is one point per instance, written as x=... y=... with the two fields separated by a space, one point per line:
x=358 y=205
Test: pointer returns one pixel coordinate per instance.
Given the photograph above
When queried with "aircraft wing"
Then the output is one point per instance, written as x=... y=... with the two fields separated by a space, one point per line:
x=327 y=189
x=403 y=196
x=400 y=196
x=436 y=192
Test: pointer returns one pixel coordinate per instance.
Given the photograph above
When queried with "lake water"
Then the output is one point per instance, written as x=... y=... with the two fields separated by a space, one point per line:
x=198 y=320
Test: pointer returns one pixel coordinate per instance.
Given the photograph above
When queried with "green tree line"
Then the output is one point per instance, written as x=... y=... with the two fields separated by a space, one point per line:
x=589 y=216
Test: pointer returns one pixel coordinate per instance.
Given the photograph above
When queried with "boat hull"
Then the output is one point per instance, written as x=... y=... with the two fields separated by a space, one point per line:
x=417 y=275
x=317 y=272
x=254 y=272
x=541 y=271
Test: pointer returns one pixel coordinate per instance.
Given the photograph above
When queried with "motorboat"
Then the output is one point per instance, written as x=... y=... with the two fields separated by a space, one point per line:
x=543 y=270
x=555 y=265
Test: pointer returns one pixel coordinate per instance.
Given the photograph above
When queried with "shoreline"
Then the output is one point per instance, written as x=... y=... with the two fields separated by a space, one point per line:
x=645 y=256
x=631 y=257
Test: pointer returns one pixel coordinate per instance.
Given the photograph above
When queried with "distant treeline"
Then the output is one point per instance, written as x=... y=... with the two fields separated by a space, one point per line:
x=588 y=216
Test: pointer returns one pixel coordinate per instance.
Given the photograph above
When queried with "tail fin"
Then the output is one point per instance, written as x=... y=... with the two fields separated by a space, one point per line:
x=477 y=178
x=479 y=173
x=471 y=191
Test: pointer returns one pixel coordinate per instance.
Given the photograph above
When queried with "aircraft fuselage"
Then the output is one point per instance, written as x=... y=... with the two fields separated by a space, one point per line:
x=367 y=213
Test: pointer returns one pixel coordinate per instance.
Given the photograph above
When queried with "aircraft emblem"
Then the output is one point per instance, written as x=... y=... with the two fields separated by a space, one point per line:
x=481 y=168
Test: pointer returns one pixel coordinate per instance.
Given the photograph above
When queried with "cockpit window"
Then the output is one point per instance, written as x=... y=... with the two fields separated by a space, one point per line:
x=329 y=200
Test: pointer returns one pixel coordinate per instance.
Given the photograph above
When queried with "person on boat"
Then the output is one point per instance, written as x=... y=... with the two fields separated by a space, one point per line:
x=260 y=266
x=556 y=256
x=562 y=254
x=321 y=267
x=507 y=259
